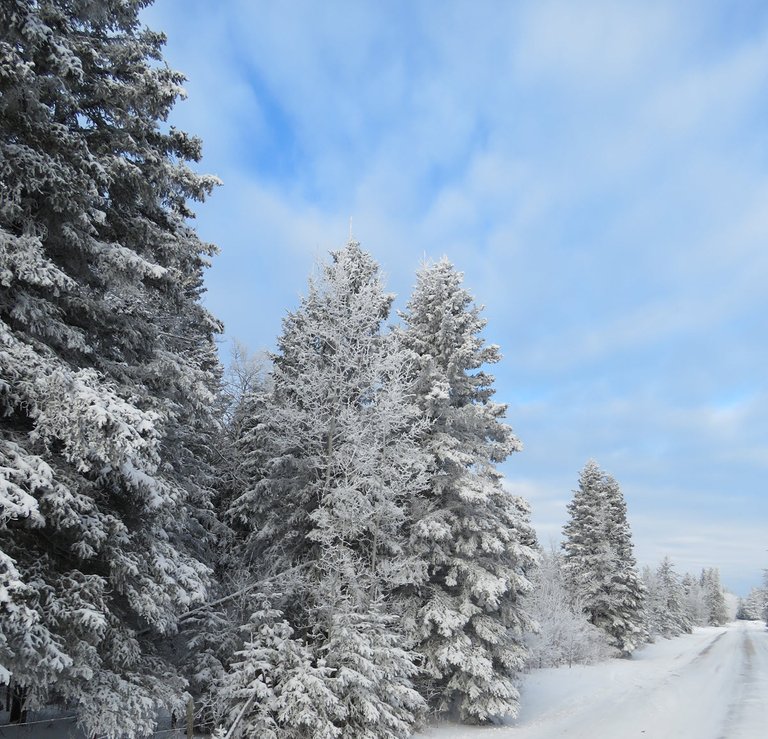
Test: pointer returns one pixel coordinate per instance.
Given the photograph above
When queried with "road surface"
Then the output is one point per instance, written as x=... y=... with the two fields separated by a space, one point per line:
x=712 y=684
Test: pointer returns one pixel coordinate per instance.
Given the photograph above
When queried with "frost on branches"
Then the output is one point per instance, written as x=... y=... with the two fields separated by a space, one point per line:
x=716 y=611
x=665 y=606
x=330 y=458
x=275 y=688
x=753 y=606
x=471 y=539
x=333 y=457
x=107 y=363
x=599 y=565
x=564 y=635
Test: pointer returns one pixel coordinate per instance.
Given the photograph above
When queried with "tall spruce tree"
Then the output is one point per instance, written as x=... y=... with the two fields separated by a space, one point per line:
x=714 y=598
x=330 y=455
x=471 y=539
x=331 y=458
x=107 y=362
x=599 y=563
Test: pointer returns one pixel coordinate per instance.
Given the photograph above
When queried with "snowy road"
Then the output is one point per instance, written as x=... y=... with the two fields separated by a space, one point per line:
x=712 y=684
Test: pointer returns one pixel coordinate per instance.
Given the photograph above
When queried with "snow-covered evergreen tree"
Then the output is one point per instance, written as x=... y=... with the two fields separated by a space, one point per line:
x=354 y=682
x=652 y=604
x=676 y=619
x=626 y=621
x=471 y=539
x=694 y=600
x=714 y=598
x=330 y=452
x=372 y=673
x=665 y=602
x=331 y=459
x=599 y=563
x=276 y=688
x=107 y=362
x=753 y=606
x=211 y=632
x=564 y=635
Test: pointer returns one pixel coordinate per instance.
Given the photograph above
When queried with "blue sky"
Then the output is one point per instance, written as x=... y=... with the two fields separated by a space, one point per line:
x=599 y=172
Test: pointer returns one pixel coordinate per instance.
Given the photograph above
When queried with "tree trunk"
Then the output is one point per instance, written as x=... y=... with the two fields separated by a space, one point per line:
x=190 y=718
x=18 y=707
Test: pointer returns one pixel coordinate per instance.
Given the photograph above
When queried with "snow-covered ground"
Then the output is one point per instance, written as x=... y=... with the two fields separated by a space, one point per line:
x=712 y=684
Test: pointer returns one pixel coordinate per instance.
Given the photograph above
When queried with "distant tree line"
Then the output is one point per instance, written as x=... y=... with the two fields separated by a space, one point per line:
x=589 y=600
x=755 y=606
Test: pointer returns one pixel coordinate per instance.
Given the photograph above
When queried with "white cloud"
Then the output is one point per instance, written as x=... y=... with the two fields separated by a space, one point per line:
x=592 y=44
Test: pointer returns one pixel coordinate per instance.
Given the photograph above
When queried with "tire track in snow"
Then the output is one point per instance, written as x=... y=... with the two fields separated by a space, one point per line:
x=747 y=715
x=704 y=652
x=682 y=699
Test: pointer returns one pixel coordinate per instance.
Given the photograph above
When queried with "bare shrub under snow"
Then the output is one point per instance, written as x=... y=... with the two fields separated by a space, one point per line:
x=565 y=636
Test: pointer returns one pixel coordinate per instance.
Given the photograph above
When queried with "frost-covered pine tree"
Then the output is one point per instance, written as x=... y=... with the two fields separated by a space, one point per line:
x=665 y=602
x=677 y=621
x=652 y=603
x=714 y=598
x=599 y=563
x=589 y=559
x=471 y=540
x=694 y=600
x=331 y=458
x=755 y=603
x=245 y=380
x=276 y=687
x=629 y=594
x=107 y=362
x=372 y=672
x=331 y=453
x=751 y=608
